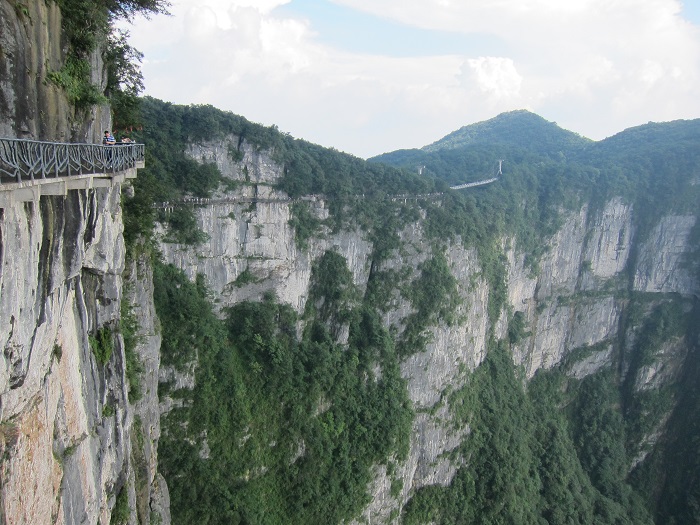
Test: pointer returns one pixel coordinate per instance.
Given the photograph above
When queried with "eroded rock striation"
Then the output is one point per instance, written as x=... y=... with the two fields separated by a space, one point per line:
x=572 y=305
x=64 y=409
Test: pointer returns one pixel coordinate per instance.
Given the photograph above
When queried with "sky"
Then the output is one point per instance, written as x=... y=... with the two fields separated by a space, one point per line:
x=372 y=76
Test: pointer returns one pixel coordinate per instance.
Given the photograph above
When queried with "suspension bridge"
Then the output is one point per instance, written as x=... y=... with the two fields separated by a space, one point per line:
x=481 y=182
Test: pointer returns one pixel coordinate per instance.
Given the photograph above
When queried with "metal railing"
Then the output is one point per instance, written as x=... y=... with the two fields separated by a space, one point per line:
x=30 y=160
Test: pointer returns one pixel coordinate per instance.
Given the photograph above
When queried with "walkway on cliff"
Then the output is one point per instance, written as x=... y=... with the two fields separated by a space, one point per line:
x=201 y=201
x=31 y=168
x=168 y=206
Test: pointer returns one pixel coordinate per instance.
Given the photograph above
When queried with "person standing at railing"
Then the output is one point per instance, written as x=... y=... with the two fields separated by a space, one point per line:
x=108 y=139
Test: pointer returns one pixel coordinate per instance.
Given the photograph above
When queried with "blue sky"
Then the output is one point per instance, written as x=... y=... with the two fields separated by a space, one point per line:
x=356 y=31
x=371 y=76
x=691 y=11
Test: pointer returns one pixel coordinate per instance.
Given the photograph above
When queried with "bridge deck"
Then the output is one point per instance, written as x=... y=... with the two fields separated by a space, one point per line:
x=27 y=191
x=30 y=169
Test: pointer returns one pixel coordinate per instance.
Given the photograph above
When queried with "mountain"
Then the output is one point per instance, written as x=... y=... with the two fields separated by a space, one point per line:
x=258 y=330
x=472 y=152
x=378 y=330
x=521 y=129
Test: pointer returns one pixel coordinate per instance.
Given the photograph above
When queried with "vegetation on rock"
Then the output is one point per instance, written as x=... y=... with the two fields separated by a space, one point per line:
x=89 y=27
x=278 y=429
x=285 y=424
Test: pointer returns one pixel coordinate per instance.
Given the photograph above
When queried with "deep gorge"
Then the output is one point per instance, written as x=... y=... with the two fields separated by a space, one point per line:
x=259 y=330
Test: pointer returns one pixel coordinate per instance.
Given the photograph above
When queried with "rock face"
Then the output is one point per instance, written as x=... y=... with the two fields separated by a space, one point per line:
x=661 y=266
x=64 y=412
x=151 y=491
x=572 y=306
x=31 y=107
x=71 y=440
x=71 y=444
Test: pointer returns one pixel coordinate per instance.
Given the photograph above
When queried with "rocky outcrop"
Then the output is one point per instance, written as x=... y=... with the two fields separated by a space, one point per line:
x=151 y=491
x=64 y=411
x=31 y=107
x=607 y=248
x=662 y=265
x=255 y=239
x=572 y=305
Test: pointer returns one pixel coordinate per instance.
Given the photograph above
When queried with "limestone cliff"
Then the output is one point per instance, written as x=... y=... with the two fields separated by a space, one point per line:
x=73 y=441
x=64 y=412
x=151 y=491
x=572 y=307
x=31 y=107
x=72 y=447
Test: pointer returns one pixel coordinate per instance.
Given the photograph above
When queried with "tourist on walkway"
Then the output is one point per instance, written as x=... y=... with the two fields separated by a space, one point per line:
x=108 y=139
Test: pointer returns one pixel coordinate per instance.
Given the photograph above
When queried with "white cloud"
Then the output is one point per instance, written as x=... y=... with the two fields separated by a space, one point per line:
x=594 y=66
x=651 y=72
x=497 y=77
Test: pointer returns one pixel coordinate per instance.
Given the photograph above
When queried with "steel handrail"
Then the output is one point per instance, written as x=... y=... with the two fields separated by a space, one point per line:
x=30 y=160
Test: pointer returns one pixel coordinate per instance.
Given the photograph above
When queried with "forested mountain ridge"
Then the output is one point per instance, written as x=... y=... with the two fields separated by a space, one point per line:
x=472 y=152
x=329 y=340
x=371 y=358
x=520 y=128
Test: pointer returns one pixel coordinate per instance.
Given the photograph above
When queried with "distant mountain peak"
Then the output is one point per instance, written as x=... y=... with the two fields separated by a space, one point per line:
x=519 y=128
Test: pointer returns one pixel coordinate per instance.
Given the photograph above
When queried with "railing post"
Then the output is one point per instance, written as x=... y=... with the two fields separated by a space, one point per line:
x=30 y=168
x=56 y=161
